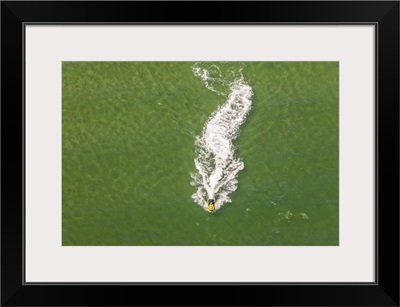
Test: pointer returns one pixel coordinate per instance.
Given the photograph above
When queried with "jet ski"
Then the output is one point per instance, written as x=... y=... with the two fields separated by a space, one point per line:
x=211 y=205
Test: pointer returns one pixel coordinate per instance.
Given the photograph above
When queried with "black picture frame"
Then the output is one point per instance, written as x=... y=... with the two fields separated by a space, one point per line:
x=383 y=14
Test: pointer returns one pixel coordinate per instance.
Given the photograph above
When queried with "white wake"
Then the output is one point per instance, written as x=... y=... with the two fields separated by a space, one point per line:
x=216 y=162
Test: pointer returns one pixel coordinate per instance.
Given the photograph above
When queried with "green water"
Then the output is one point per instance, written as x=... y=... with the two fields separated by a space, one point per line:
x=128 y=133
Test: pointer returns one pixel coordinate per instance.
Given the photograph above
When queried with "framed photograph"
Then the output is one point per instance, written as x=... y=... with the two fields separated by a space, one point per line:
x=155 y=151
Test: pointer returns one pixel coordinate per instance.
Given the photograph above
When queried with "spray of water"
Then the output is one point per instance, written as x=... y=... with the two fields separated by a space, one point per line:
x=215 y=160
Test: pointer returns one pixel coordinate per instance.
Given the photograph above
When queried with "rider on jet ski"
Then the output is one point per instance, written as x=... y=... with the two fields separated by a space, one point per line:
x=211 y=205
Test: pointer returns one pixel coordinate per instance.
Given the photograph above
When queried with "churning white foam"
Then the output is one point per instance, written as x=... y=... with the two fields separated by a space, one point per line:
x=216 y=162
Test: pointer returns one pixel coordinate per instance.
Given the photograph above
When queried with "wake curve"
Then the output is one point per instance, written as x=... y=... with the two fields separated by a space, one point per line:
x=215 y=159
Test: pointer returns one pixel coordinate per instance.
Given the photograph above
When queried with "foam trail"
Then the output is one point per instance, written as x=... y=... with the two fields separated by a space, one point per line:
x=216 y=162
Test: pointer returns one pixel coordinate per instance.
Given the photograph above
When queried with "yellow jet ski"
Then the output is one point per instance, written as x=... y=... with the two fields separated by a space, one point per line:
x=211 y=205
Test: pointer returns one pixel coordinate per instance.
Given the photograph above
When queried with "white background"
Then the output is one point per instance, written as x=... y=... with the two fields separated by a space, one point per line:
x=48 y=261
